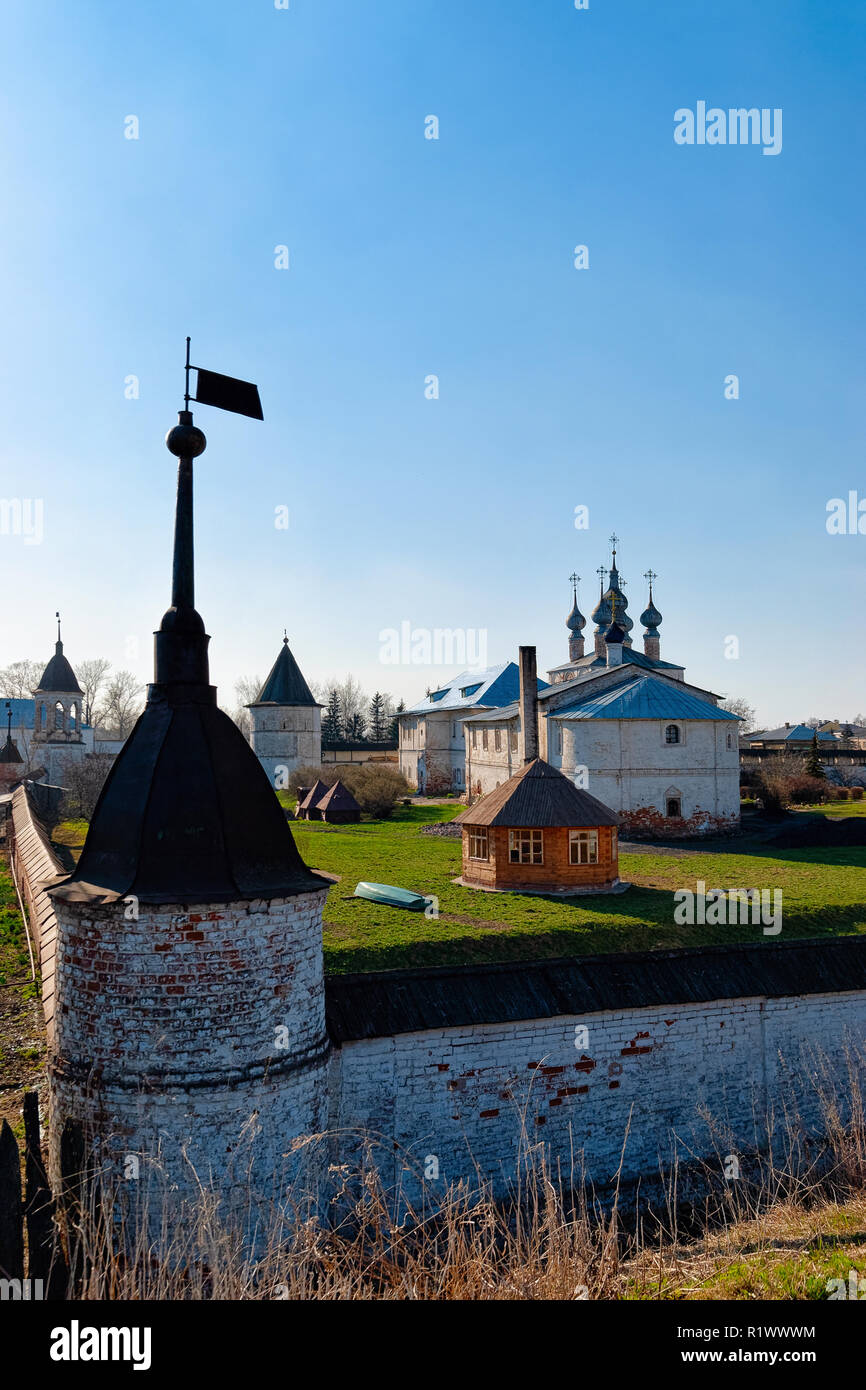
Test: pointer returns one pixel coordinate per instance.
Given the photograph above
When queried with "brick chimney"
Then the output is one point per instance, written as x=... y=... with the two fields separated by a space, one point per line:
x=528 y=703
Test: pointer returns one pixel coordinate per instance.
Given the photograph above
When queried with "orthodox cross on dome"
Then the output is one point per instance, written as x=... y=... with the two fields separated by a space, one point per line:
x=575 y=580
x=57 y=616
x=651 y=575
x=614 y=540
x=601 y=572
x=613 y=607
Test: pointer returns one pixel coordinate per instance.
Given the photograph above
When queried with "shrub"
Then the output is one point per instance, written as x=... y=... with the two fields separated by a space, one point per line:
x=375 y=786
x=856 y=793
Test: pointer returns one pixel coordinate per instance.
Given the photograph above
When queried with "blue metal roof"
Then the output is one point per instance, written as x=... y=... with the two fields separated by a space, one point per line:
x=630 y=657
x=644 y=697
x=497 y=685
x=23 y=713
x=798 y=733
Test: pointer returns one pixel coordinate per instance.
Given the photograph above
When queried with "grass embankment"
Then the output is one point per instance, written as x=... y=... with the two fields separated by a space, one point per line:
x=22 y=1036
x=823 y=894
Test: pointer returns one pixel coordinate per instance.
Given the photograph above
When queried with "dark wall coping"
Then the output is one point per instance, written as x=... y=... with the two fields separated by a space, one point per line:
x=410 y=1001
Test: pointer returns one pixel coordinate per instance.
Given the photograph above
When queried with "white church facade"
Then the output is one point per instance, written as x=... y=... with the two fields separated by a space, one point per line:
x=624 y=725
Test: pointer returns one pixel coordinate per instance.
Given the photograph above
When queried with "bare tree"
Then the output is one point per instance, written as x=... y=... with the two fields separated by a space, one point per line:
x=352 y=700
x=736 y=704
x=91 y=677
x=120 y=706
x=246 y=691
x=18 y=681
x=84 y=779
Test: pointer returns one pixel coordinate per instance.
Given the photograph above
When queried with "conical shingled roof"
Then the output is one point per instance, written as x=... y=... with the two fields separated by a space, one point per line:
x=187 y=814
x=285 y=685
x=9 y=752
x=338 y=798
x=311 y=800
x=537 y=796
x=59 y=675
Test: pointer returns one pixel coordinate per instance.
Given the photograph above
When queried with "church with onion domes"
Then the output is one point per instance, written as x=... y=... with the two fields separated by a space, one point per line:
x=623 y=724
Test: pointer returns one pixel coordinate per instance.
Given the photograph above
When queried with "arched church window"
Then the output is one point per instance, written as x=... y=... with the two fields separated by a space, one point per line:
x=730 y=741
x=58 y=715
x=673 y=807
x=73 y=718
x=672 y=734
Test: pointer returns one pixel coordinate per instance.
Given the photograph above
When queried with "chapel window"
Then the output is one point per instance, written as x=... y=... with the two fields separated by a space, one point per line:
x=478 y=842
x=672 y=734
x=525 y=847
x=583 y=846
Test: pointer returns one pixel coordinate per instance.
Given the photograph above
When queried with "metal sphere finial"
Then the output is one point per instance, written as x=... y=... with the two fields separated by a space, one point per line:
x=185 y=440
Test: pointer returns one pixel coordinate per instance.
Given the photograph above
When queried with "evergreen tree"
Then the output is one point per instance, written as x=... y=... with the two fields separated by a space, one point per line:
x=814 y=766
x=394 y=726
x=378 y=727
x=332 y=724
x=356 y=727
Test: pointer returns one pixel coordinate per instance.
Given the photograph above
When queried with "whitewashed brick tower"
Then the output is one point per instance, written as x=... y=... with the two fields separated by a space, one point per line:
x=190 y=1021
x=285 y=721
x=59 y=715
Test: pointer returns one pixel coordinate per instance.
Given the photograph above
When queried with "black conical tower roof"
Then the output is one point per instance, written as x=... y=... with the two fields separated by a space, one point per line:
x=285 y=685
x=187 y=814
x=59 y=675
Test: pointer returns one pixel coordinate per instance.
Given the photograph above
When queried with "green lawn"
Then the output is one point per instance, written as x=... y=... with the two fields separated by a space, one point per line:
x=14 y=956
x=824 y=894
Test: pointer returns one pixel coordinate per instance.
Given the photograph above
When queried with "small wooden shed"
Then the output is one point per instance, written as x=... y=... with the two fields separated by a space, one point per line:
x=338 y=806
x=308 y=809
x=540 y=833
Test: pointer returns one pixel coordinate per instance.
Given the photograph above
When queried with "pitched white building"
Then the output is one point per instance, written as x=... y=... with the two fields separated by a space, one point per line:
x=432 y=748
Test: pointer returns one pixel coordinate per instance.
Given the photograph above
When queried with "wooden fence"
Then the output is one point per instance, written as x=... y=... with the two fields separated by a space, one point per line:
x=31 y=1252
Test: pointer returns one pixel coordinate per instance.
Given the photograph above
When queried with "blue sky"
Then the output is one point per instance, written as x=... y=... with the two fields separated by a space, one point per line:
x=603 y=387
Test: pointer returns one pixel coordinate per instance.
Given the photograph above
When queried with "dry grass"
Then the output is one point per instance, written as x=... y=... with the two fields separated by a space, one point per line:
x=797 y=1220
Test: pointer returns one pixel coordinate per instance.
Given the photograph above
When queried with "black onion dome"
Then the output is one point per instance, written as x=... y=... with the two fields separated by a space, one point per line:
x=575 y=622
x=59 y=675
x=651 y=617
x=614 y=633
x=601 y=613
